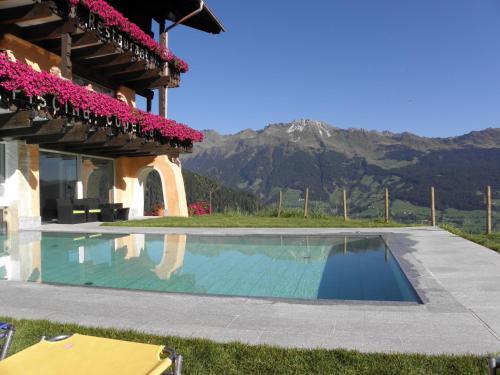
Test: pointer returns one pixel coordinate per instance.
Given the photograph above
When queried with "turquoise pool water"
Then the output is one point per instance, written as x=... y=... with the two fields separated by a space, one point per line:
x=296 y=267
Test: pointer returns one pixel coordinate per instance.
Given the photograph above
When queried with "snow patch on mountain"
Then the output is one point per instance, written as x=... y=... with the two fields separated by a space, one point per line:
x=300 y=126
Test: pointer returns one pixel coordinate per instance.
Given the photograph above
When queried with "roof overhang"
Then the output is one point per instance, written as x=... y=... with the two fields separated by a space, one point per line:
x=172 y=10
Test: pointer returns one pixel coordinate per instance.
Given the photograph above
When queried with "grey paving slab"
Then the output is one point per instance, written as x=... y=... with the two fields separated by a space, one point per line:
x=456 y=279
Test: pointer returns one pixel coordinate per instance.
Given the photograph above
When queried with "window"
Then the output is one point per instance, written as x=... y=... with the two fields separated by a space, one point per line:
x=58 y=177
x=98 y=179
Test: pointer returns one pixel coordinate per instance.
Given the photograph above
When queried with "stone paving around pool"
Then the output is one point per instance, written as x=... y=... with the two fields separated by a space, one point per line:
x=458 y=281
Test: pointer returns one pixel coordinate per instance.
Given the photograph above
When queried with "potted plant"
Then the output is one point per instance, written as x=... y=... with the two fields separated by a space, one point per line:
x=159 y=210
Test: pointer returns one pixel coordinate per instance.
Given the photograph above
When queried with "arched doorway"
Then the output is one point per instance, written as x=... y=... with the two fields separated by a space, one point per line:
x=131 y=174
x=153 y=194
x=150 y=192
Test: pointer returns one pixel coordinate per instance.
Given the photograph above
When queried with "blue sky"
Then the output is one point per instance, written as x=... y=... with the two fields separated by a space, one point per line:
x=431 y=67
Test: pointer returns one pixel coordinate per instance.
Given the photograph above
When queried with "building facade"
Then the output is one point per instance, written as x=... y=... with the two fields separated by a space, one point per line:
x=70 y=72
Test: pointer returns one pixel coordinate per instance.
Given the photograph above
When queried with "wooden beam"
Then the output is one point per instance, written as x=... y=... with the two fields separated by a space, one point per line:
x=149 y=84
x=132 y=146
x=141 y=75
x=77 y=133
x=66 y=65
x=128 y=67
x=48 y=31
x=6 y=4
x=99 y=137
x=115 y=142
x=20 y=131
x=85 y=69
x=94 y=52
x=50 y=131
x=112 y=60
x=87 y=39
x=15 y=120
x=26 y=14
x=96 y=140
x=162 y=91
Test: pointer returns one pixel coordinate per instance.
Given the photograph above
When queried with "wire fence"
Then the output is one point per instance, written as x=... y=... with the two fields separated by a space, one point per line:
x=466 y=211
x=373 y=206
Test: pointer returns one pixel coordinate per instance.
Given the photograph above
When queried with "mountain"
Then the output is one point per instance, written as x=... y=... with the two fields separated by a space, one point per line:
x=307 y=153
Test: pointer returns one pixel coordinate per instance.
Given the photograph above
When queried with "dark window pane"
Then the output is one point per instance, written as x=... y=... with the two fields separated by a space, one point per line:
x=97 y=179
x=57 y=180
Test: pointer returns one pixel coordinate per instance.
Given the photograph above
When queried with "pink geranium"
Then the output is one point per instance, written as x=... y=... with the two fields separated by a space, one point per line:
x=19 y=76
x=199 y=209
x=113 y=18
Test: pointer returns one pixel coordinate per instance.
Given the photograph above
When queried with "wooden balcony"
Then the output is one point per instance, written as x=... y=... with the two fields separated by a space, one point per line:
x=90 y=52
x=24 y=121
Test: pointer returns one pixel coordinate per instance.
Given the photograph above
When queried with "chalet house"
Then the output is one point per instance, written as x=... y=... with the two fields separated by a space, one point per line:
x=70 y=72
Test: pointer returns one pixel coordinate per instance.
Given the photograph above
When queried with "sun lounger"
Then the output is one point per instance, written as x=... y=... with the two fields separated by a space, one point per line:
x=6 y=335
x=79 y=354
x=493 y=365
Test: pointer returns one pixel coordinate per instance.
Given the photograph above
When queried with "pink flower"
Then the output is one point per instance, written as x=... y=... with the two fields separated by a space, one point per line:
x=111 y=17
x=19 y=76
x=199 y=209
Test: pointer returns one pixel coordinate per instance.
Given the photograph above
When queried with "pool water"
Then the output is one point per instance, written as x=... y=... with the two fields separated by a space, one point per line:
x=292 y=267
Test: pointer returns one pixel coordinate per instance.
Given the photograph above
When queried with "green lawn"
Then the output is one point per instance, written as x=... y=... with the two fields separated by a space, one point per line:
x=242 y=221
x=206 y=357
x=492 y=240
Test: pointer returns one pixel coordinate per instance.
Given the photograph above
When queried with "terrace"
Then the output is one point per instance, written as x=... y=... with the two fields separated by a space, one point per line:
x=453 y=319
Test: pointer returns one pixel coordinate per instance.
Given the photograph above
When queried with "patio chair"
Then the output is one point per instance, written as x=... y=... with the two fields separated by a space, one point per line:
x=122 y=213
x=113 y=211
x=80 y=354
x=70 y=213
x=92 y=208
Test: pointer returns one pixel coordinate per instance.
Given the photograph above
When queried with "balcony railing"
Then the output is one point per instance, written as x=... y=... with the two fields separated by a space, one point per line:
x=103 y=45
x=44 y=109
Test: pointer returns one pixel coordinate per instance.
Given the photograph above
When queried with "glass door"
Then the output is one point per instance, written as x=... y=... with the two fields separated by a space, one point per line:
x=58 y=178
x=98 y=179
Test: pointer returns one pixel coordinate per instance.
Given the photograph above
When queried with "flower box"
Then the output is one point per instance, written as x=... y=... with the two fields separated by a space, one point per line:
x=42 y=90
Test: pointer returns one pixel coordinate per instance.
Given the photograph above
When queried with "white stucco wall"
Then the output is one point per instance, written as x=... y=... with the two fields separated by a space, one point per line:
x=20 y=191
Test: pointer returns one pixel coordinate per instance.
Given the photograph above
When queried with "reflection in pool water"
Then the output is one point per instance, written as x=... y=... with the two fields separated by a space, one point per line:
x=298 y=267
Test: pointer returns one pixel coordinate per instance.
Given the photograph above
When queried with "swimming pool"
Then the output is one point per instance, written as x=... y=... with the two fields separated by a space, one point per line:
x=292 y=267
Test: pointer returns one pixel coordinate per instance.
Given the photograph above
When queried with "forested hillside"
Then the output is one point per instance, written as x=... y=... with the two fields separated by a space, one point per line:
x=198 y=189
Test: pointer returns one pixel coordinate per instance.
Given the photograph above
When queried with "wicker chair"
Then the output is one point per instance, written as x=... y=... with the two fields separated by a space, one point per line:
x=70 y=213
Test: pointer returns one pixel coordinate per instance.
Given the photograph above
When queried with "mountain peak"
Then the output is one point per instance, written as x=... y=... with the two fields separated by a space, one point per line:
x=297 y=127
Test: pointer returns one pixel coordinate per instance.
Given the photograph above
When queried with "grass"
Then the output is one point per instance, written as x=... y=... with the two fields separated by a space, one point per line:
x=491 y=241
x=206 y=357
x=247 y=221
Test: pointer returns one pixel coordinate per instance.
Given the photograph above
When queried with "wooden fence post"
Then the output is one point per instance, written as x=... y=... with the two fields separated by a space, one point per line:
x=280 y=203
x=386 y=205
x=306 y=202
x=433 y=206
x=345 y=205
x=210 y=202
x=488 y=210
